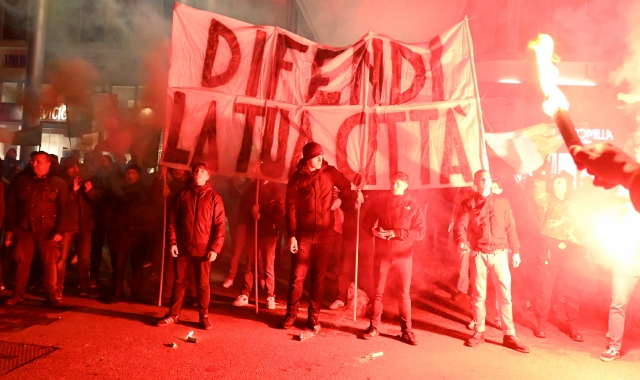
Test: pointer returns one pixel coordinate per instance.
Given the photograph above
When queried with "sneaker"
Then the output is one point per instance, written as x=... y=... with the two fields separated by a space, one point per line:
x=205 y=322
x=337 y=304
x=512 y=342
x=409 y=337
x=167 y=320
x=227 y=283
x=241 y=300
x=14 y=300
x=288 y=321
x=610 y=355
x=370 y=333
x=476 y=340
x=271 y=303
x=58 y=294
x=313 y=323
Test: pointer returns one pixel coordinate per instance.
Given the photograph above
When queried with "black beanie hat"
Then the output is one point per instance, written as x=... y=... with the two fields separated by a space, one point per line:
x=134 y=167
x=311 y=150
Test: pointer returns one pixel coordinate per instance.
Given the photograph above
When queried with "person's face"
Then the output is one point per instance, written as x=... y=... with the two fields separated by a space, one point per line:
x=11 y=154
x=560 y=187
x=73 y=171
x=178 y=173
x=315 y=163
x=483 y=183
x=399 y=187
x=200 y=176
x=131 y=177
x=40 y=164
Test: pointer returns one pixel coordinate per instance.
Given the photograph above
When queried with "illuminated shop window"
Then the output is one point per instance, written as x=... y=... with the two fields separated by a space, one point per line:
x=126 y=95
x=9 y=92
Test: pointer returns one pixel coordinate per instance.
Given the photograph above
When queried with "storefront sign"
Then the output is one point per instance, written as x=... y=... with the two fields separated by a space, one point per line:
x=58 y=113
x=588 y=135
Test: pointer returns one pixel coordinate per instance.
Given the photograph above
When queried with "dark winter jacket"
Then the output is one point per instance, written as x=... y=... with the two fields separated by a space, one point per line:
x=271 y=201
x=309 y=199
x=78 y=208
x=486 y=224
x=402 y=215
x=38 y=205
x=556 y=215
x=196 y=221
x=131 y=209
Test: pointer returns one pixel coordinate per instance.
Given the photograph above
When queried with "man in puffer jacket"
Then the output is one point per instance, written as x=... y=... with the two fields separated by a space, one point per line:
x=310 y=221
x=397 y=222
x=196 y=234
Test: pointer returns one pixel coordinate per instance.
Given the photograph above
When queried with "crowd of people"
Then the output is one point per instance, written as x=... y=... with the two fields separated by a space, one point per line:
x=55 y=211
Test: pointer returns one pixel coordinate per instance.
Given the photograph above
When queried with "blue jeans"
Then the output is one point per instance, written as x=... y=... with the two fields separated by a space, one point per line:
x=313 y=253
x=381 y=267
x=623 y=283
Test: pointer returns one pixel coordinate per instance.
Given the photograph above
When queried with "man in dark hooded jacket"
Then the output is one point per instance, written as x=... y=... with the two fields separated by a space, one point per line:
x=196 y=229
x=397 y=222
x=81 y=225
x=310 y=221
x=562 y=253
x=128 y=227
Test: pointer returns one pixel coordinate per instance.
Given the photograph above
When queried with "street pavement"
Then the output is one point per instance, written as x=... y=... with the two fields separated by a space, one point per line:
x=88 y=338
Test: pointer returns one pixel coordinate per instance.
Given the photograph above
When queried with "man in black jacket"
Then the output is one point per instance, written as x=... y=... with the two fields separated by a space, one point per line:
x=485 y=228
x=128 y=228
x=397 y=222
x=310 y=223
x=196 y=234
x=81 y=225
x=36 y=218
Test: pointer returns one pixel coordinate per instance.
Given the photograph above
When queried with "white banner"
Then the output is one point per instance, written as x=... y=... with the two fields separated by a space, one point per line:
x=246 y=99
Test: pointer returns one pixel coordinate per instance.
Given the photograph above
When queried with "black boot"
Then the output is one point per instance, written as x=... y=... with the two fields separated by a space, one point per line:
x=573 y=332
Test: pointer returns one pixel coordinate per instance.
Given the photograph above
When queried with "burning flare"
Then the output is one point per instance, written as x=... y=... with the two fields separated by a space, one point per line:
x=554 y=98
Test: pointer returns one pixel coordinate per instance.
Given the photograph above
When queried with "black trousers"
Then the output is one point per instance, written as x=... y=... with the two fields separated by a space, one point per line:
x=27 y=244
x=564 y=265
x=313 y=254
x=123 y=246
x=201 y=268
x=97 y=242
